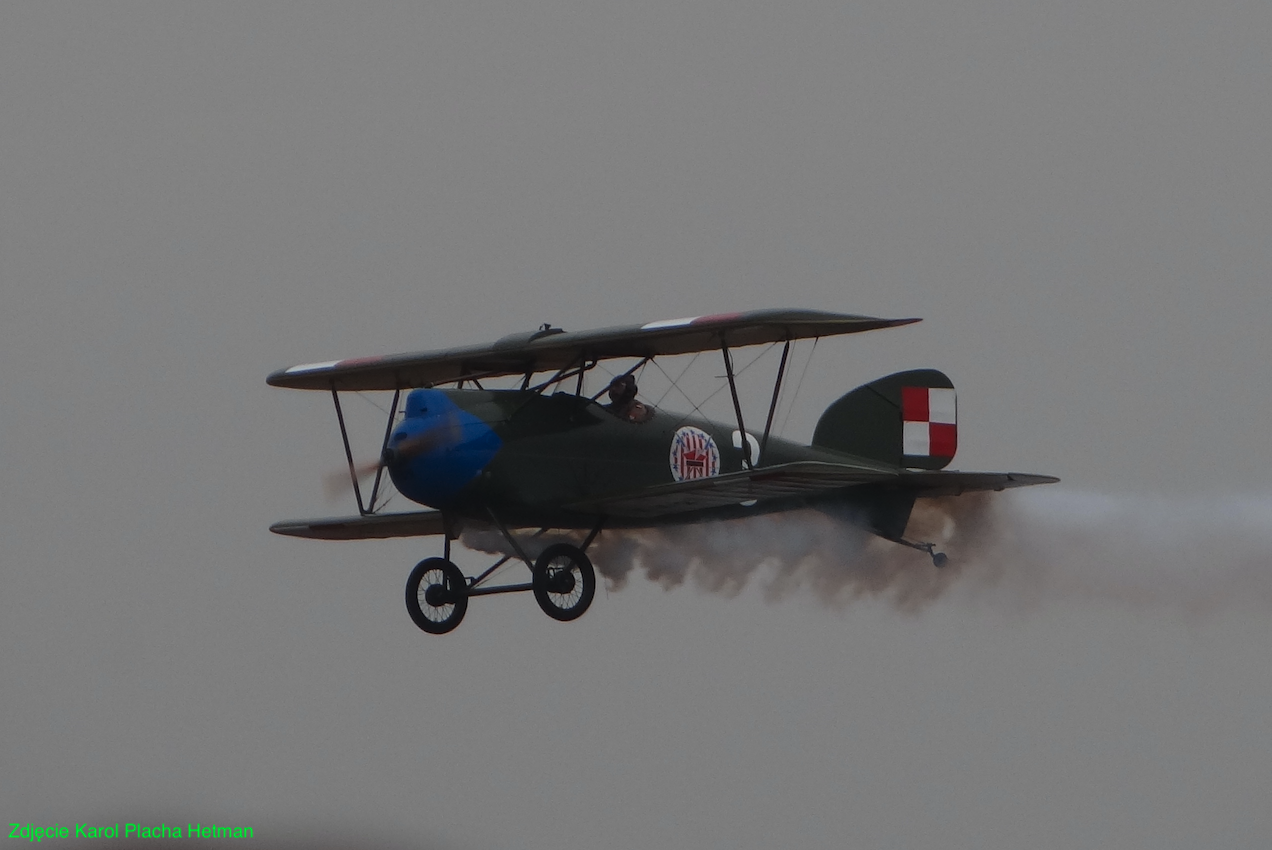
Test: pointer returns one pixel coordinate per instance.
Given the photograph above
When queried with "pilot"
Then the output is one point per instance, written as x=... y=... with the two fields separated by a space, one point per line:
x=623 y=403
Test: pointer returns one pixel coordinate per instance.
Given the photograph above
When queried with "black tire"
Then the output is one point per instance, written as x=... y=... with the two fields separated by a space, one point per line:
x=436 y=595
x=564 y=582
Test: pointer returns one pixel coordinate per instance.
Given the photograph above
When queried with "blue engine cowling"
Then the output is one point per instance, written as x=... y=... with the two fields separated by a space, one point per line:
x=438 y=448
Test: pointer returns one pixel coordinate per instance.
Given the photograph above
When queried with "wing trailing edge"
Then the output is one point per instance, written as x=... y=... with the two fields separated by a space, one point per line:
x=798 y=479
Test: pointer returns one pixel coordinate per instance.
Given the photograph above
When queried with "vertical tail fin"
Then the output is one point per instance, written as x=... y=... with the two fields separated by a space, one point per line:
x=907 y=419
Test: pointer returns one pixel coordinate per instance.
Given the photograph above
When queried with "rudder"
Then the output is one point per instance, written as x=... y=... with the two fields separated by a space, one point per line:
x=907 y=419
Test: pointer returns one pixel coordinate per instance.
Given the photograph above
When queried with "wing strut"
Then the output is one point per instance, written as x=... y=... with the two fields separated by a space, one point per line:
x=384 y=446
x=344 y=435
x=777 y=389
x=368 y=508
x=737 y=407
x=567 y=372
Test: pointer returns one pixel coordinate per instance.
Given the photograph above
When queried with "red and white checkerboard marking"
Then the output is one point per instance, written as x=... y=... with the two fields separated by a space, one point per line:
x=929 y=422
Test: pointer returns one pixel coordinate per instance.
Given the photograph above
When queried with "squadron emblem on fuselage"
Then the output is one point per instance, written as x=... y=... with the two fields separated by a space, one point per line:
x=694 y=454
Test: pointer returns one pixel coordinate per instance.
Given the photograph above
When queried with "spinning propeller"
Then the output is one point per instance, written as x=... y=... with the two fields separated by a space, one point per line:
x=447 y=431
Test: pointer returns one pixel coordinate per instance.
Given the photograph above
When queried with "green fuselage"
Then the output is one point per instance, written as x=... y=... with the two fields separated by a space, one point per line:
x=561 y=450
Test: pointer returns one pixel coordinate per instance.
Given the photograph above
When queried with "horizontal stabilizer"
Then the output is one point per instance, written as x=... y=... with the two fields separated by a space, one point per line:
x=938 y=483
x=802 y=478
x=382 y=526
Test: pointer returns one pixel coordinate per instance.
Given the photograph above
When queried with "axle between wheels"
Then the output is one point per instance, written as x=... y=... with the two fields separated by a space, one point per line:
x=562 y=580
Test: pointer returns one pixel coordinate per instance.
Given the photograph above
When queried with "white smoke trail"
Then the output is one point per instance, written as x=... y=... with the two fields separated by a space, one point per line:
x=1194 y=555
x=1017 y=549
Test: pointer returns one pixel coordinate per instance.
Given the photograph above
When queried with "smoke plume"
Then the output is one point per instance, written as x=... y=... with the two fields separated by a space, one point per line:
x=1021 y=549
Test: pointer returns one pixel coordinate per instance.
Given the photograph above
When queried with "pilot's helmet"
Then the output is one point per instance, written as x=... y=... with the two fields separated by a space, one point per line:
x=622 y=389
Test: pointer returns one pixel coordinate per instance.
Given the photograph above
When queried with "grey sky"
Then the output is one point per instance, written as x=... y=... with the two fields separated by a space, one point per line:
x=1075 y=196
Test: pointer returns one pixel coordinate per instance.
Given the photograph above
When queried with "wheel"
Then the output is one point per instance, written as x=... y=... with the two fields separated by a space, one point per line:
x=436 y=595
x=564 y=582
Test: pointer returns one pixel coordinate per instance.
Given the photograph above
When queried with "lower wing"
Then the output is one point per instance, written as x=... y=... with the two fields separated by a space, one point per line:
x=802 y=479
x=416 y=524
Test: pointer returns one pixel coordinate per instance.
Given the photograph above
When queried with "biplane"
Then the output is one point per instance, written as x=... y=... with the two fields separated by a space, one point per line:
x=546 y=455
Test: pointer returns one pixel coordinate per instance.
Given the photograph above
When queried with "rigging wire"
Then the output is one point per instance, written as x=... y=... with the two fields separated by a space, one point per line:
x=737 y=373
x=674 y=385
x=387 y=493
x=795 y=395
x=697 y=408
x=362 y=395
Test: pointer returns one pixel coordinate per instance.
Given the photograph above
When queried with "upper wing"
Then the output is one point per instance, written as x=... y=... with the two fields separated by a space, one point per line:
x=802 y=478
x=938 y=483
x=552 y=349
x=418 y=524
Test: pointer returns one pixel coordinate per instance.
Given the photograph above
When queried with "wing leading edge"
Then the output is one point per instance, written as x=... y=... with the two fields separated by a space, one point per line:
x=383 y=526
x=550 y=349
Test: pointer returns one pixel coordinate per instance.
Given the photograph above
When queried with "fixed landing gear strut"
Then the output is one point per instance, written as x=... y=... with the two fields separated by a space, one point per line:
x=561 y=578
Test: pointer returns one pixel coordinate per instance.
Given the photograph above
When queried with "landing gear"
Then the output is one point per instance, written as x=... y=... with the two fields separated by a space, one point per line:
x=561 y=578
x=436 y=595
x=564 y=582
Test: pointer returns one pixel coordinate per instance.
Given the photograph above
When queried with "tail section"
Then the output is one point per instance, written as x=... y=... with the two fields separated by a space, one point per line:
x=908 y=419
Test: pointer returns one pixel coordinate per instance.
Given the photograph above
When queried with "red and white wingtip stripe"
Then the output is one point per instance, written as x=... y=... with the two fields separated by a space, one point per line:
x=333 y=364
x=311 y=367
x=688 y=320
x=929 y=422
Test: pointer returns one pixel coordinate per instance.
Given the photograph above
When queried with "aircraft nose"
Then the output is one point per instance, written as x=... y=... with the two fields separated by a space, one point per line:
x=431 y=458
x=414 y=438
x=400 y=445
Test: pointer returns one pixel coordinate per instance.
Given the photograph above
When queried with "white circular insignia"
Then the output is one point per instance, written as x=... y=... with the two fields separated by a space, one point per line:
x=694 y=455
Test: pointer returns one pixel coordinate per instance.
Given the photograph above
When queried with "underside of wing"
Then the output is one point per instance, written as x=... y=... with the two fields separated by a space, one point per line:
x=803 y=478
x=940 y=483
x=416 y=524
x=552 y=349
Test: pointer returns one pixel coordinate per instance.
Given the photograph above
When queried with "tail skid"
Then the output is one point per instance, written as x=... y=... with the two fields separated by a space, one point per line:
x=939 y=559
